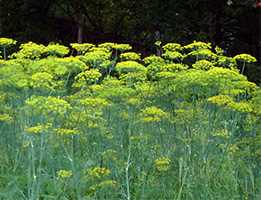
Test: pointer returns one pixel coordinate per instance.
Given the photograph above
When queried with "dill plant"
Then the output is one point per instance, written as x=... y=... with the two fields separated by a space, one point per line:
x=108 y=124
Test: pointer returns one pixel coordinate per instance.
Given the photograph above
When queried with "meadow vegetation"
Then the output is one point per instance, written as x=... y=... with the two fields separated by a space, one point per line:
x=94 y=122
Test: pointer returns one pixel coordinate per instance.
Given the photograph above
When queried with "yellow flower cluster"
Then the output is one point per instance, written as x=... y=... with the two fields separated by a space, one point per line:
x=220 y=100
x=243 y=107
x=94 y=102
x=227 y=101
x=56 y=50
x=103 y=184
x=153 y=114
x=42 y=80
x=162 y=164
x=172 y=47
x=48 y=104
x=37 y=129
x=5 y=42
x=5 y=118
x=82 y=48
x=63 y=174
x=129 y=66
x=203 y=65
x=87 y=77
x=173 y=55
x=99 y=172
x=197 y=45
x=130 y=56
x=66 y=132
x=245 y=58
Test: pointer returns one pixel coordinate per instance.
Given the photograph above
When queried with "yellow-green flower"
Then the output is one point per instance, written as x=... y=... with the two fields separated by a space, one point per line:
x=203 y=65
x=153 y=114
x=243 y=107
x=172 y=47
x=63 y=174
x=103 y=184
x=99 y=172
x=66 y=132
x=153 y=59
x=37 y=129
x=82 y=48
x=245 y=58
x=5 y=118
x=197 y=45
x=162 y=164
x=57 y=50
x=94 y=102
x=130 y=56
x=220 y=100
x=129 y=66
x=5 y=42
x=87 y=77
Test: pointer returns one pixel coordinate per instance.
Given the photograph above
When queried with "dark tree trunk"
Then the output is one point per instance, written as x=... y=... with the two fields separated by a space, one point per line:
x=80 y=29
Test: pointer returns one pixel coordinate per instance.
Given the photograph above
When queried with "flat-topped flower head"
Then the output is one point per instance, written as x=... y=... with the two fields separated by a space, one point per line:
x=122 y=47
x=67 y=132
x=95 y=58
x=202 y=54
x=130 y=56
x=197 y=45
x=64 y=174
x=6 y=42
x=56 y=50
x=221 y=100
x=242 y=107
x=43 y=80
x=245 y=58
x=38 y=129
x=172 y=47
x=30 y=50
x=98 y=172
x=173 y=55
x=173 y=67
x=94 y=102
x=162 y=164
x=5 y=118
x=107 y=45
x=226 y=62
x=129 y=66
x=87 y=77
x=153 y=59
x=203 y=65
x=153 y=114
x=82 y=48
x=47 y=105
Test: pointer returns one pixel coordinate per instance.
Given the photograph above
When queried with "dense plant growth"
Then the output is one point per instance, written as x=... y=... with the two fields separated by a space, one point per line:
x=101 y=122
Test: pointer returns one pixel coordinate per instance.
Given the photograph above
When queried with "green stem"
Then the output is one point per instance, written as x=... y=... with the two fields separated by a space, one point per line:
x=5 y=56
x=243 y=68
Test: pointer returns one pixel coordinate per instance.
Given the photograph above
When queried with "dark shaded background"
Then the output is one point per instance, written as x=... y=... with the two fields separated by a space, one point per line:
x=231 y=24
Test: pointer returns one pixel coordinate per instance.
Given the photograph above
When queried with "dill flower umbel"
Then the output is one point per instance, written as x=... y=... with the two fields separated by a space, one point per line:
x=5 y=118
x=162 y=164
x=153 y=114
x=220 y=100
x=68 y=132
x=130 y=56
x=99 y=172
x=104 y=184
x=64 y=174
x=37 y=129
x=129 y=66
